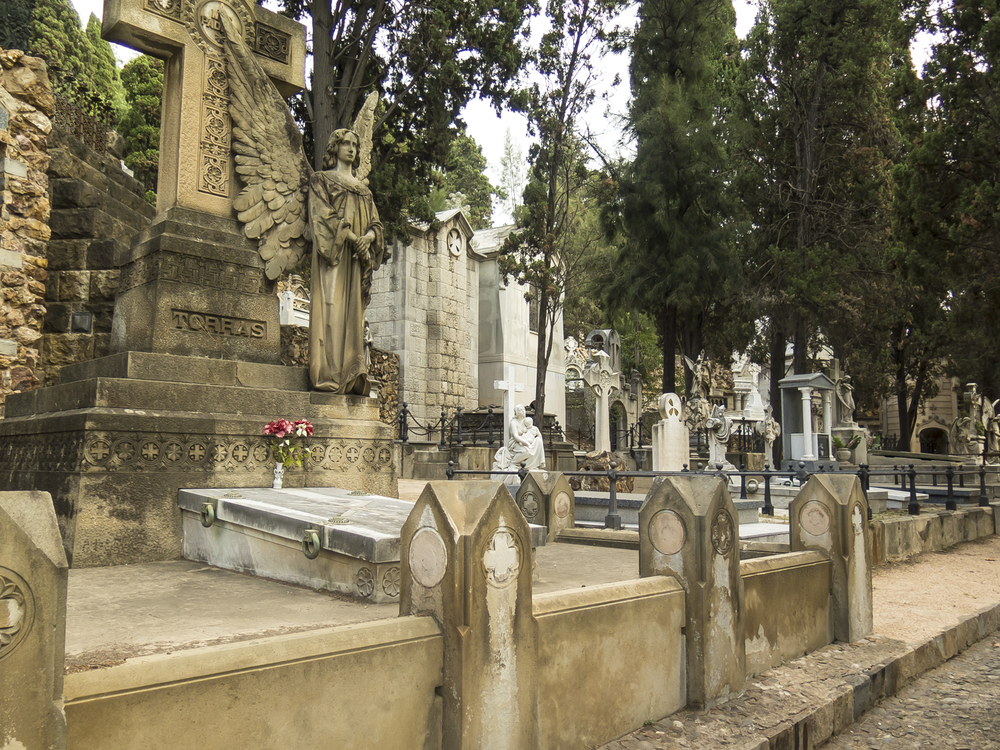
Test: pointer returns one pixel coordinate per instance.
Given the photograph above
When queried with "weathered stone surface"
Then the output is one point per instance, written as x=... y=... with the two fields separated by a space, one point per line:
x=24 y=214
x=688 y=529
x=466 y=559
x=601 y=462
x=33 y=579
x=830 y=514
x=546 y=498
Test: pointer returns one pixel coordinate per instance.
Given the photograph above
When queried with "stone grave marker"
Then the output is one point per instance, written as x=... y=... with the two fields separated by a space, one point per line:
x=830 y=514
x=670 y=435
x=466 y=559
x=601 y=378
x=33 y=578
x=688 y=528
x=546 y=497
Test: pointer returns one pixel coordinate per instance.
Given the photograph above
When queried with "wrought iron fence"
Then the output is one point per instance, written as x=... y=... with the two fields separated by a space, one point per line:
x=795 y=472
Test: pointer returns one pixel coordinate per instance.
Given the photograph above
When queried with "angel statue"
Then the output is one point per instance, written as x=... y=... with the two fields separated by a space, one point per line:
x=291 y=210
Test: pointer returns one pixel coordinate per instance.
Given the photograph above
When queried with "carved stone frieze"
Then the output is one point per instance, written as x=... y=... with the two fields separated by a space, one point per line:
x=269 y=42
x=188 y=268
x=103 y=451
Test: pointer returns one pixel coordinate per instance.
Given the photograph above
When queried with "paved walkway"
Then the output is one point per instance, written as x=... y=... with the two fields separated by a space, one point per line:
x=955 y=706
x=920 y=688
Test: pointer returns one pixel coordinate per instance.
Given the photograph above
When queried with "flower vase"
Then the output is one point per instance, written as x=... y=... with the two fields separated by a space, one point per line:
x=279 y=474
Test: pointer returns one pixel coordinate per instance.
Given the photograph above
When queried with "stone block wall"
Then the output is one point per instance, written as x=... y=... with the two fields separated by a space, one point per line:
x=425 y=309
x=26 y=106
x=96 y=210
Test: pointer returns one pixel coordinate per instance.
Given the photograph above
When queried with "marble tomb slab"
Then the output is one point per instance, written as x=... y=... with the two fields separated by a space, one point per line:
x=324 y=538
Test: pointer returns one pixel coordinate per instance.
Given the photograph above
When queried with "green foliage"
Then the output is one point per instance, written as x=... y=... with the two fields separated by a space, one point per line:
x=15 y=24
x=512 y=174
x=674 y=211
x=57 y=36
x=465 y=173
x=427 y=60
x=948 y=190
x=816 y=136
x=142 y=79
x=103 y=73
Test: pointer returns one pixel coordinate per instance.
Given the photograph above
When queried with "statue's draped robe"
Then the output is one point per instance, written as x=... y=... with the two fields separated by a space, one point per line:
x=340 y=208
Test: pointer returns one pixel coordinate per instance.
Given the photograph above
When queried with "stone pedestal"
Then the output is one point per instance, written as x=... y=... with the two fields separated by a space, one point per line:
x=546 y=497
x=193 y=285
x=33 y=578
x=119 y=436
x=688 y=528
x=830 y=514
x=466 y=559
x=670 y=435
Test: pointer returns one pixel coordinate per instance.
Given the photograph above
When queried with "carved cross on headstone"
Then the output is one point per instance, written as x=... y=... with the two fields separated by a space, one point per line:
x=509 y=388
x=602 y=380
x=196 y=163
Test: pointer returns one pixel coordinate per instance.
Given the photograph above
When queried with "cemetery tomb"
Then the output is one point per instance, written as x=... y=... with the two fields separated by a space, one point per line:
x=324 y=538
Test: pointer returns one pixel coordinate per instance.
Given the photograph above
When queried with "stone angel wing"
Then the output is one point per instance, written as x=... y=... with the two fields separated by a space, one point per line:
x=364 y=125
x=269 y=159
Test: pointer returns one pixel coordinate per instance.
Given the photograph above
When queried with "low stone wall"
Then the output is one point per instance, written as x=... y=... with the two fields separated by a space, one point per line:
x=787 y=607
x=608 y=660
x=356 y=686
x=26 y=106
x=899 y=538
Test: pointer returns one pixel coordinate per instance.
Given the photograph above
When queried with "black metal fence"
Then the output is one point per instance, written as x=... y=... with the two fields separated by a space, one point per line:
x=465 y=429
x=904 y=476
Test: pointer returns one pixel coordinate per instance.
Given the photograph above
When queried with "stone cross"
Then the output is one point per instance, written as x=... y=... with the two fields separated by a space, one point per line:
x=602 y=379
x=196 y=162
x=509 y=388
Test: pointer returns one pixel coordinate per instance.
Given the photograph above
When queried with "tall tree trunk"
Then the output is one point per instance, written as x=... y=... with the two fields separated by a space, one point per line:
x=541 y=356
x=323 y=79
x=668 y=345
x=902 y=407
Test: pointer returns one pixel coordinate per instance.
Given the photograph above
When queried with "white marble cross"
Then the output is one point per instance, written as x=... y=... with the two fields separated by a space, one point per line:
x=602 y=380
x=509 y=388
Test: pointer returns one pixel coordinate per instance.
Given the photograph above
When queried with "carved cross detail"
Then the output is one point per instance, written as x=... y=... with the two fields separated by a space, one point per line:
x=501 y=559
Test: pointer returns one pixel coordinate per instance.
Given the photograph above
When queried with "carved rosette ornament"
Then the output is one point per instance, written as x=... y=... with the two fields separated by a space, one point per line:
x=365 y=581
x=17 y=611
x=390 y=582
x=722 y=532
x=529 y=506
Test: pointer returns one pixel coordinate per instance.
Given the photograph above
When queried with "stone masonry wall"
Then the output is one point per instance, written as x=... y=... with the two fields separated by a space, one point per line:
x=26 y=107
x=96 y=210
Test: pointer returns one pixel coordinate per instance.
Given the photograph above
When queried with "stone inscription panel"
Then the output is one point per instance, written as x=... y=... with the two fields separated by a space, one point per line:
x=185 y=320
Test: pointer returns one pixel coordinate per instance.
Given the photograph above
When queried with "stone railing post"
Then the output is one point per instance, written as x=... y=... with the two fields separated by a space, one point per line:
x=688 y=528
x=830 y=514
x=466 y=561
x=546 y=498
x=33 y=577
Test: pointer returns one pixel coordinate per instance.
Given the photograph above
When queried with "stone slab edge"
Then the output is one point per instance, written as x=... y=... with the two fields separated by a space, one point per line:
x=859 y=693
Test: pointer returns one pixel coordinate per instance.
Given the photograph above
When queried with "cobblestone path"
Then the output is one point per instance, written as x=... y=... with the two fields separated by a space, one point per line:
x=953 y=707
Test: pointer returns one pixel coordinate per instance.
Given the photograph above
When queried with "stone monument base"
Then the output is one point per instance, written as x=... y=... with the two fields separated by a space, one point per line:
x=117 y=438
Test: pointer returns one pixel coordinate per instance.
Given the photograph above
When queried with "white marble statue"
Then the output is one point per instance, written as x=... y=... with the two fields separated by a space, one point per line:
x=525 y=445
x=720 y=429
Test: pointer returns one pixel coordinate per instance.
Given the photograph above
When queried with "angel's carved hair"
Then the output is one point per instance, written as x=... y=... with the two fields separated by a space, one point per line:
x=338 y=136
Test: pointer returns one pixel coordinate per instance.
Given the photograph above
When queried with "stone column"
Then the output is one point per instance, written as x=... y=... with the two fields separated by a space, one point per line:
x=545 y=497
x=807 y=427
x=465 y=553
x=827 y=411
x=830 y=514
x=33 y=577
x=688 y=529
